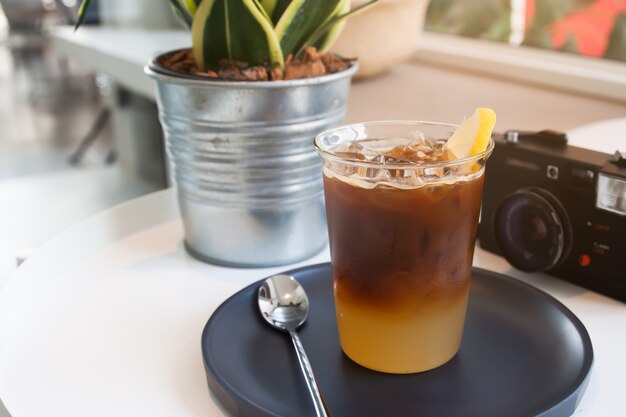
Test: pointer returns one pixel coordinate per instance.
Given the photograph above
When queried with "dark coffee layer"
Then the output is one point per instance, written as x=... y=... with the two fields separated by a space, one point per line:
x=398 y=246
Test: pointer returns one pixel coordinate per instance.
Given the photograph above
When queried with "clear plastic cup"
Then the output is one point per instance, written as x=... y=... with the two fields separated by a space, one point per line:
x=402 y=237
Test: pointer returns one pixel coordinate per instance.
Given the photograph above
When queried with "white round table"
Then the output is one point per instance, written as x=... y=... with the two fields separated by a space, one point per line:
x=106 y=319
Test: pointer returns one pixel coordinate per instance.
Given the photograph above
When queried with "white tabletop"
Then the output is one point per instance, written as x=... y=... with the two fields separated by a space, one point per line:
x=106 y=318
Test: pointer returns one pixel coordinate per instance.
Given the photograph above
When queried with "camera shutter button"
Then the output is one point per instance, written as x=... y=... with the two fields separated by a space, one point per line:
x=619 y=158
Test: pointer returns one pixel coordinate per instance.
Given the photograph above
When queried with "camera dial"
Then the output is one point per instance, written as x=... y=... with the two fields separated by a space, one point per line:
x=532 y=230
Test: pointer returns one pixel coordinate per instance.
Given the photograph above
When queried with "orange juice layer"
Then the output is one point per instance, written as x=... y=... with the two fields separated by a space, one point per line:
x=401 y=340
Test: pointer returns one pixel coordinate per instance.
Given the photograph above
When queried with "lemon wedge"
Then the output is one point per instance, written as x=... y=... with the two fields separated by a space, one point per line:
x=472 y=136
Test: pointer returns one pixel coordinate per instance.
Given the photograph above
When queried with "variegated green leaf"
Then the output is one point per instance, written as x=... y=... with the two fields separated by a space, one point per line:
x=319 y=33
x=259 y=6
x=181 y=12
x=235 y=30
x=279 y=9
x=192 y=6
x=82 y=10
x=331 y=35
x=301 y=19
x=269 y=6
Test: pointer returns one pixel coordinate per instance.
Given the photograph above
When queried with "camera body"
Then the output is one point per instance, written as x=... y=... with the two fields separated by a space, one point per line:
x=553 y=208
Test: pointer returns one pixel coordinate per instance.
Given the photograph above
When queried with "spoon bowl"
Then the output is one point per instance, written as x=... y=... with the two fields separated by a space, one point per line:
x=284 y=305
x=283 y=302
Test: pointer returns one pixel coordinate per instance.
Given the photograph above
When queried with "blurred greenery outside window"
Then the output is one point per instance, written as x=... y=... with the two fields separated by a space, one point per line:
x=594 y=28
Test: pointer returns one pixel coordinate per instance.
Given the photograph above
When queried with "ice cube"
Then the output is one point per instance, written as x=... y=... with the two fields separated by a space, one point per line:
x=418 y=137
x=387 y=159
x=355 y=150
x=350 y=155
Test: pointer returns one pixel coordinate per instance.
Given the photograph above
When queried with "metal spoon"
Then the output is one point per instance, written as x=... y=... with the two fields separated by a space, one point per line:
x=285 y=306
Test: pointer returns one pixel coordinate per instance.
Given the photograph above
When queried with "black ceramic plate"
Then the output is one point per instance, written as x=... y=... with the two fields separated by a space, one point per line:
x=523 y=354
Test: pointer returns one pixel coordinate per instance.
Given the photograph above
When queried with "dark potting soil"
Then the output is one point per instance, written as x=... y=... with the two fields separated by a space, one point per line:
x=311 y=64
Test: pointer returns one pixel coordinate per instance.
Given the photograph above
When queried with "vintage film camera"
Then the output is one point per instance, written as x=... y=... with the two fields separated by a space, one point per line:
x=549 y=207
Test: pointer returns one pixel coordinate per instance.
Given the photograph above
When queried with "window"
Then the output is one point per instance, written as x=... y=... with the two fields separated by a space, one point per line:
x=523 y=40
x=592 y=28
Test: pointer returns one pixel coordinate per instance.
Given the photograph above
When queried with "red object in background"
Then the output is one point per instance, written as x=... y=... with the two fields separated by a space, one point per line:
x=591 y=26
x=530 y=13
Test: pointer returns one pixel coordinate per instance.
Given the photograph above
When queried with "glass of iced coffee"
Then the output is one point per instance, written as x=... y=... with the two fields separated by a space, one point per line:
x=402 y=220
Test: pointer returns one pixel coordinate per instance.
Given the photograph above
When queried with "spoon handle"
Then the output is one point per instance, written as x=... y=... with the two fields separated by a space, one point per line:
x=320 y=409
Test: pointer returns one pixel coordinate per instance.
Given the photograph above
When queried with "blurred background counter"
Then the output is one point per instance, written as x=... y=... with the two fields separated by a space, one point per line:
x=427 y=87
x=423 y=88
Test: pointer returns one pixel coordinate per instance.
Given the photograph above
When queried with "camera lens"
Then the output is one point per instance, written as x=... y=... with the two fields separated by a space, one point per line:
x=532 y=230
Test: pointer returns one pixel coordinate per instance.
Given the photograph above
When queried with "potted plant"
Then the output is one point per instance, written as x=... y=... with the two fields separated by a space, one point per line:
x=239 y=113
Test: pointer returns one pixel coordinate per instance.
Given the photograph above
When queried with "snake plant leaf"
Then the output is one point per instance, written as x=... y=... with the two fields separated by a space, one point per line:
x=318 y=35
x=82 y=11
x=328 y=39
x=261 y=9
x=269 y=6
x=279 y=9
x=300 y=20
x=192 y=6
x=236 y=30
x=181 y=11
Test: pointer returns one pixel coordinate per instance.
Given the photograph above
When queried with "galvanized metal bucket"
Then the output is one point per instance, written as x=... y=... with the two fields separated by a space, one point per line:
x=242 y=158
